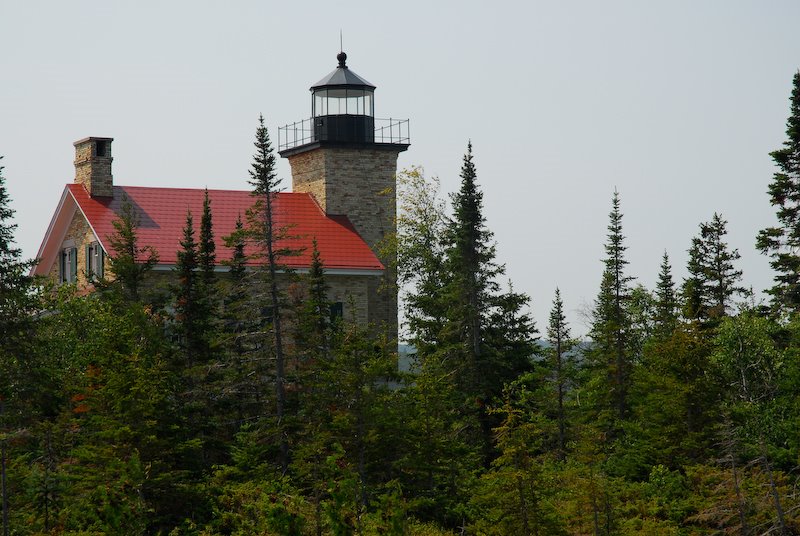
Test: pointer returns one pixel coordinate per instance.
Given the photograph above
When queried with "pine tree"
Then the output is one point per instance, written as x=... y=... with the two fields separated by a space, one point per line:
x=129 y=262
x=611 y=324
x=713 y=279
x=666 y=305
x=782 y=242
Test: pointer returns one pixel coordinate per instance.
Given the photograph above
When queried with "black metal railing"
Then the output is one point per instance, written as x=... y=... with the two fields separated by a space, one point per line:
x=391 y=131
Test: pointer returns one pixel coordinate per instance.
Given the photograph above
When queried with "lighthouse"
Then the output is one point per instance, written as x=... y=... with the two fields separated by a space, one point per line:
x=346 y=158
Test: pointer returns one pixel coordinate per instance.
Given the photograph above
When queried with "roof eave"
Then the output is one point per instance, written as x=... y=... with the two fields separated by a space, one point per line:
x=44 y=253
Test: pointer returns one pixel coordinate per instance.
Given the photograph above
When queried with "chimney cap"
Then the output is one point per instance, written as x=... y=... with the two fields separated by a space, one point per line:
x=90 y=138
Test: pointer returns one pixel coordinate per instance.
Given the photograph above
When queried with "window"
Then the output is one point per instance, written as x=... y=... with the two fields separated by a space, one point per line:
x=68 y=266
x=94 y=261
x=337 y=311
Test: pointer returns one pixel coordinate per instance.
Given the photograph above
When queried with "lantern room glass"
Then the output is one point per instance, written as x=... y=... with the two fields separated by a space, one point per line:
x=344 y=101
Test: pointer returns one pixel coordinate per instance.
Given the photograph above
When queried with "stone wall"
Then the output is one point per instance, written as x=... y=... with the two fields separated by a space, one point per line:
x=358 y=182
x=78 y=235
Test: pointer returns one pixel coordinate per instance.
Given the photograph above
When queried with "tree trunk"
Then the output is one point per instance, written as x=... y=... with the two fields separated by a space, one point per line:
x=280 y=375
x=560 y=384
x=3 y=475
x=773 y=489
x=5 y=490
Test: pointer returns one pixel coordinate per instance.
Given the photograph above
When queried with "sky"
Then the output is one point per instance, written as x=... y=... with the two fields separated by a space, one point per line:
x=674 y=104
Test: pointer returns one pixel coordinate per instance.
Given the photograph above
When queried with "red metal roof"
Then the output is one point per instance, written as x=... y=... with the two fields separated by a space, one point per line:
x=162 y=217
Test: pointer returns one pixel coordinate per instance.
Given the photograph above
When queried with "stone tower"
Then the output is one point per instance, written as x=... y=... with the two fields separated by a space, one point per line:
x=347 y=160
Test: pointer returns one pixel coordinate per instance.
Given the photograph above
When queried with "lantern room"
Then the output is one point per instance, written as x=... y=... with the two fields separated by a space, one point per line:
x=343 y=106
x=342 y=114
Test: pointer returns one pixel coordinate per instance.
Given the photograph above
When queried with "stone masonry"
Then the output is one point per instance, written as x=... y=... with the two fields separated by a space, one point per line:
x=93 y=166
x=79 y=235
x=358 y=182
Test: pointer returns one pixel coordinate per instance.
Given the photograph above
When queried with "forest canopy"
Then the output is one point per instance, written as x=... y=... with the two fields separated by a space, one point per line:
x=205 y=407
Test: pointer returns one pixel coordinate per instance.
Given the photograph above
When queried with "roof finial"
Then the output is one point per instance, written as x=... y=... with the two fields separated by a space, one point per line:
x=341 y=56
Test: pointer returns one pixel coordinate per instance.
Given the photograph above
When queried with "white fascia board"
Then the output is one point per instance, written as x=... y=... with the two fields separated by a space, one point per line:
x=55 y=231
x=326 y=271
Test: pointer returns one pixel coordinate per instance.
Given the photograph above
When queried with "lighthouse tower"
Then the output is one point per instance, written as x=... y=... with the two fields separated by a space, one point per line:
x=346 y=159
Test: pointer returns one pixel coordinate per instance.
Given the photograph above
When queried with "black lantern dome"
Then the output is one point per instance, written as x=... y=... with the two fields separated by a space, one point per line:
x=343 y=106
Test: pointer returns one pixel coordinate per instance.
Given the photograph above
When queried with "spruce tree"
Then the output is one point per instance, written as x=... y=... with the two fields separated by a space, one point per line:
x=611 y=323
x=16 y=304
x=206 y=258
x=14 y=279
x=265 y=184
x=187 y=294
x=129 y=262
x=666 y=305
x=486 y=331
x=782 y=242
x=561 y=344
x=713 y=279
x=17 y=301
x=471 y=271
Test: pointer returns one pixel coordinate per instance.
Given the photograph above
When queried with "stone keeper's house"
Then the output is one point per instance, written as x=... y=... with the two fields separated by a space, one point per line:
x=343 y=163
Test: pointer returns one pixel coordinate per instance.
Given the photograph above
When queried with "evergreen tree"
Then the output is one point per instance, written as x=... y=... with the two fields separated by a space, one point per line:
x=314 y=324
x=782 y=242
x=17 y=301
x=244 y=340
x=611 y=324
x=16 y=305
x=235 y=306
x=129 y=262
x=206 y=258
x=713 y=279
x=15 y=283
x=188 y=295
x=513 y=496
x=206 y=247
x=265 y=184
x=480 y=324
x=665 y=317
x=560 y=366
x=470 y=262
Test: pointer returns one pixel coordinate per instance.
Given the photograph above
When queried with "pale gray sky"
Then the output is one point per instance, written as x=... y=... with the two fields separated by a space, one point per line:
x=674 y=103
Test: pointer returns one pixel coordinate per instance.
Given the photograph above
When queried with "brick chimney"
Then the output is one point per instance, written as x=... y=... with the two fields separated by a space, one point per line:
x=93 y=166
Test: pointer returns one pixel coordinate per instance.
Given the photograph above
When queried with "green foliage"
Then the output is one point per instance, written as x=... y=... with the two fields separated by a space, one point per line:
x=611 y=354
x=129 y=262
x=111 y=425
x=713 y=279
x=514 y=496
x=781 y=242
x=665 y=313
